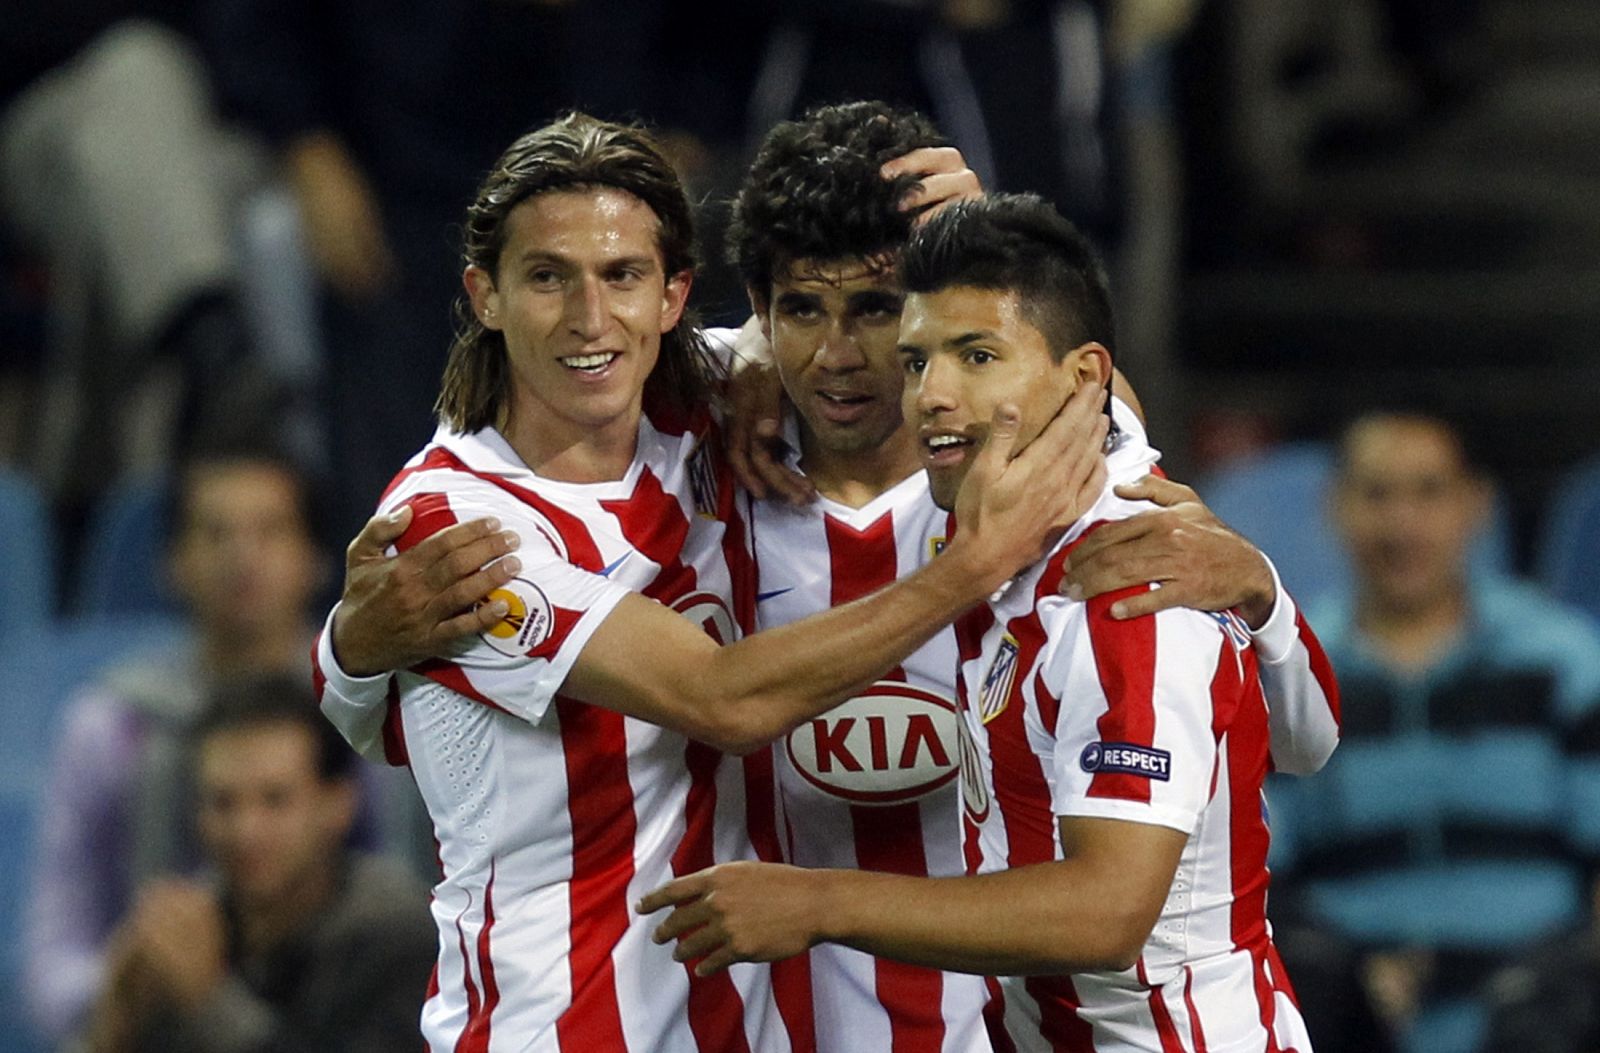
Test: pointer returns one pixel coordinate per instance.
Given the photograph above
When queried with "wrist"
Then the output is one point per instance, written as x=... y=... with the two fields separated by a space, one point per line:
x=1263 y=597
x=346 y=654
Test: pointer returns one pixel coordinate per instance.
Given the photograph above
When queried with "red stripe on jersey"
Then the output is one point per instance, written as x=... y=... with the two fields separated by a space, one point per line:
x=716 y=1013
x=438 y=457
x=1021 y=792
x=474 y=1037
x=994 y=1017
x=451 y=675
x=738 y=551
x=581 y=549
x=791 y=977
x=600 y=808
x=1166 y=1030
x=890 y=839
x=1321 y=668
x=395 y=750
x=860 y=561
x=1059 y=1022
x=1194 y=1014
x=473 y=1005
x=887 y=839
x=1248 y=752
x=319 y=681
x=1125 y=660
x=653 y=522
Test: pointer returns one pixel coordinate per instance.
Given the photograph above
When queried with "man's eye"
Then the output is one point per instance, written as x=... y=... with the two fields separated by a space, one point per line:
x=979 y=357
x=915 y=365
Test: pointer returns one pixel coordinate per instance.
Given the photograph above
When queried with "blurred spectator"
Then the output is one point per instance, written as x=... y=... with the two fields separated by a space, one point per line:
x=386 y=117
x=115 y=172
x=293 y=943
x=245 y=565
x=1548 y=1001
x=1443 y=835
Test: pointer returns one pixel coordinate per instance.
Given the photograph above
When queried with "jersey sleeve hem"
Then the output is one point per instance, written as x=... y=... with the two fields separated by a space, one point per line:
x=1177 y=819
x=1276 y=639
x=357 y=705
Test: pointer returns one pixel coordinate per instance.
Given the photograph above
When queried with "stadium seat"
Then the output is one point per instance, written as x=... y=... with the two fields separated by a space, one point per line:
x=1278 y=499
x=27 y=552
x=122 y=571
x=1566 y=562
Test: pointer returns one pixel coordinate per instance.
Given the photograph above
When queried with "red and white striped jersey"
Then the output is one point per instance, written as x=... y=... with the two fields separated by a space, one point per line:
x=872 y=784
x=1160 y=720
x=552 y=816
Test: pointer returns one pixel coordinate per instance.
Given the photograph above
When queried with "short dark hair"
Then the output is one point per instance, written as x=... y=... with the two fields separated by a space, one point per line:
x=1414 y=407
x=814 y=190
x=575 y=152
x=264 y=699
x=1017 y=243
x=226 y=448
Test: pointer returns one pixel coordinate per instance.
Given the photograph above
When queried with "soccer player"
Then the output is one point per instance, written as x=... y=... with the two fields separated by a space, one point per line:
x=568 y=754
x=1111 y=769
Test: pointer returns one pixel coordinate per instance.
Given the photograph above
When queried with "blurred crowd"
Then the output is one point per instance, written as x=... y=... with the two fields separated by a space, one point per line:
x=227 y=259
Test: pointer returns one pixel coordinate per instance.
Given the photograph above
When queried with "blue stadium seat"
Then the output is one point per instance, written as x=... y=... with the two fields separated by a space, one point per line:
x=1566 y=558
x=1278 y=499
x=123 y=569
x=27 y=552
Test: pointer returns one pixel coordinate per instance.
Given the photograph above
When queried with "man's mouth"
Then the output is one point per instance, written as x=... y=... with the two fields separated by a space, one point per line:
x=842 y=407
x=943 y=449
x=594 y=363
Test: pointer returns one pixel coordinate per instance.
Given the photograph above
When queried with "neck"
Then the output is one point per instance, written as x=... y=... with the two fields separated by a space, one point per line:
x=571 y=453
x=1413 y=636
x=857 y=478
x=265 y=925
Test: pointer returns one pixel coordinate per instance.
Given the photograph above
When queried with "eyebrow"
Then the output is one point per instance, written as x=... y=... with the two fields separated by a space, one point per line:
x=976 y=337
x=547 y=256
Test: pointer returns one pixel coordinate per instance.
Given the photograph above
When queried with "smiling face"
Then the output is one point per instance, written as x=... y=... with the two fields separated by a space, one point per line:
x=966 y=351
x=833 y=326
x=582 y=298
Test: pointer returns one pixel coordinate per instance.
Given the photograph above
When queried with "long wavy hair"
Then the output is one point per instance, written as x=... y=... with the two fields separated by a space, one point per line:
x=575 y=152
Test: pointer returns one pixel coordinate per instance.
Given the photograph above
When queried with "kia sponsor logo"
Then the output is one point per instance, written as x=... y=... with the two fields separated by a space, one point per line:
x=891 y=744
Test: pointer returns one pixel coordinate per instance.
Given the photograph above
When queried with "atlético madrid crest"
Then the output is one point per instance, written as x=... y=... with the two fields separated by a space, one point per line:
x=996 y=693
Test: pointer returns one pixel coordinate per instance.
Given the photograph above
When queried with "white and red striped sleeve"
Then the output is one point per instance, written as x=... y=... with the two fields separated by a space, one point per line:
x=1136 y=741
x=1298 y=681
x=558 y=599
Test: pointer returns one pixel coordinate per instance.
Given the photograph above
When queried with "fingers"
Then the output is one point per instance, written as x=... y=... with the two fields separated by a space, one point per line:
x=778 y=478
x=673 y=892
x=441 y=545
x=1153 y=488
x=378 y=534
x=935 y=193
x=1141 y=604
x=924 y=162
x=463 y=560
x=1108 y=536
x=471 y=591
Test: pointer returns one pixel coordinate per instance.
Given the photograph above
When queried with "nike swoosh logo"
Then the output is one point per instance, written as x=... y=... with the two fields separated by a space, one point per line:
x=606 y=573
x=763 y=597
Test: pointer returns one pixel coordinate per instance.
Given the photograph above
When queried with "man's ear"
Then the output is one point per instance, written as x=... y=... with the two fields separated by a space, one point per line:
x=761 y=307
x=479 y=284
x=674 y=298
x=1093 y=363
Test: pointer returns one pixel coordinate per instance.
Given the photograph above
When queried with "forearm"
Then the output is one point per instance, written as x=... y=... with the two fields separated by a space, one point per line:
x=776 y=679
x=1048 y=918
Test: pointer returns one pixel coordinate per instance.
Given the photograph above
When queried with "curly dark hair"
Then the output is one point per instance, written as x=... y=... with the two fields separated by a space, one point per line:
x=814 y=192
x=1018 y=243
x=575 y=152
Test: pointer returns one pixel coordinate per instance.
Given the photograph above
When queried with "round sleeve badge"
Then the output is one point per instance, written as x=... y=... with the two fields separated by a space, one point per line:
x=528 y=621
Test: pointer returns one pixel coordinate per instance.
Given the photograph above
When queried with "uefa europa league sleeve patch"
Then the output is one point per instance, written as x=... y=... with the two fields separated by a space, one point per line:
x=1125 y=758
x=528 y=622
